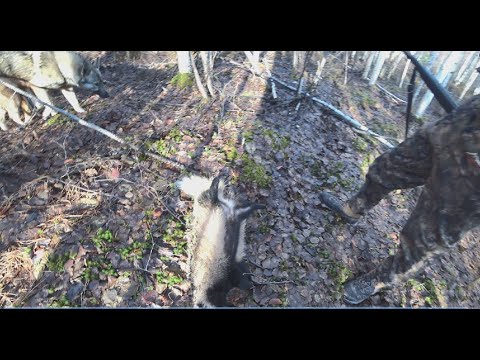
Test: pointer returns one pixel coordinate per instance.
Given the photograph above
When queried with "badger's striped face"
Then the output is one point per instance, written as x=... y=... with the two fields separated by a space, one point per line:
x=219 y=225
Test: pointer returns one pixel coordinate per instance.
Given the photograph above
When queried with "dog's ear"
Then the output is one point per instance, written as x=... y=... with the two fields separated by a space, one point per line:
x=213 y=192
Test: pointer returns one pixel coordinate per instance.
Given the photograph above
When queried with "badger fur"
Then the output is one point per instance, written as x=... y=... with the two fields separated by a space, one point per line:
x=218 y=248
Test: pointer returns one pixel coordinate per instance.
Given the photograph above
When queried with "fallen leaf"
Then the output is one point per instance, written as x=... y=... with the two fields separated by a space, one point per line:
x=157 y=213
x=275 y=301
x=113 y=174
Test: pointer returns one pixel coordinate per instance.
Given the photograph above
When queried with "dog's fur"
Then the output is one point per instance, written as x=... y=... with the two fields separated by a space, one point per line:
x=43 y=70
x=15 y=105
x=218 y=250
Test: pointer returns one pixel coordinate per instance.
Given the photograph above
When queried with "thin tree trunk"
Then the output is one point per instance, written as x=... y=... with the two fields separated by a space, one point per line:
x=198 y=80
x=207 y=70
x=431 y=61
x=320 y=65
x=295 y=60
x=405 y=70
x=346 y=68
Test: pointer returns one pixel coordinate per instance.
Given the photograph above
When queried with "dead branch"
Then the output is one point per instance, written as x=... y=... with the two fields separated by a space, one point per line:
x=271 y=282
x=389 y=93
x=345 y=118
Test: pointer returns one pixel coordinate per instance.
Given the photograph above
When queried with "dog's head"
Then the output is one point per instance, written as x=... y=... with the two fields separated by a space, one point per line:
x=91 y=78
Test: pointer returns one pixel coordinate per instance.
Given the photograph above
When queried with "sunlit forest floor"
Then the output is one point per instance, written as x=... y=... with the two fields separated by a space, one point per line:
x=86 y=222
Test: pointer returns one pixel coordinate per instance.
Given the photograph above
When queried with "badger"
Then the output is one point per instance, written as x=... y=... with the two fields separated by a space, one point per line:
x=218 y=247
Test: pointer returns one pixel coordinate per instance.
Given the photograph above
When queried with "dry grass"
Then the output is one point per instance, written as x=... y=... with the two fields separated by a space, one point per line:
x=15 y=270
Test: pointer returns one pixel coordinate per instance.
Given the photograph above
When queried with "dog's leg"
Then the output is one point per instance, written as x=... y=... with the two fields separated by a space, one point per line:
x=72 y=99
x=15 y=115
x=3 y=126
x=42 y=94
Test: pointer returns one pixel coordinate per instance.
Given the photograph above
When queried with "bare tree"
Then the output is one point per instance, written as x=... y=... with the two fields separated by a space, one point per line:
x=207 y=61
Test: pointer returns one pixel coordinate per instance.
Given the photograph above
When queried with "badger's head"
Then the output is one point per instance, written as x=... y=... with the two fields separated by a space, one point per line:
x=217 y=257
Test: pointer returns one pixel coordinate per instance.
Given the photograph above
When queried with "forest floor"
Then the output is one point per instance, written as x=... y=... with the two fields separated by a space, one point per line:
x=85 y=222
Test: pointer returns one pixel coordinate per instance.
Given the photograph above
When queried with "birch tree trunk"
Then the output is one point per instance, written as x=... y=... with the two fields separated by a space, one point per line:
x=476 y=91
x=378 y=67
x=346 y=68
x=405 y=70
x=295 y=60
x=384 y=68
x=207 y=61
x=471 y=80
x=184 y=63
x=198 y=80
x=448 y=66
x=429 y=66
x=368 y=65
x=467 y=58
x=318 y=74
x=396 y=61
x=468 y=71
x=254 y=57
